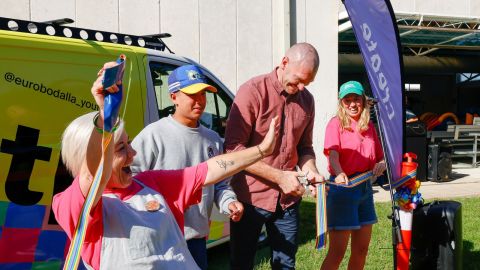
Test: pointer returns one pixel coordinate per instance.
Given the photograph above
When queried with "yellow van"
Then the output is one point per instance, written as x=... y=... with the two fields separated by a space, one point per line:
x=46 y=73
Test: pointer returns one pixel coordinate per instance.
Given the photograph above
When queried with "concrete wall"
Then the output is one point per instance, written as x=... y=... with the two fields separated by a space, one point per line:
x=234 y=39
x=316 y=22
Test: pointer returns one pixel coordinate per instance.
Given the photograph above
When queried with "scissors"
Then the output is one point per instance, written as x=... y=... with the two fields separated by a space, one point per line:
x=303 y=179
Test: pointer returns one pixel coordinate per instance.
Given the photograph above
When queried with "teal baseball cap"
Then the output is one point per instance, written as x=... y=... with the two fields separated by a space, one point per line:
x=350 y=87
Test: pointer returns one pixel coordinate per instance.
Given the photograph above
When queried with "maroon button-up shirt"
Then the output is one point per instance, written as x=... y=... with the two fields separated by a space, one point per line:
x=256 y=103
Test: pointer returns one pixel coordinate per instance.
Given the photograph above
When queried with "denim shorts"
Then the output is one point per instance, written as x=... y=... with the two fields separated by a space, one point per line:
x=350 y=208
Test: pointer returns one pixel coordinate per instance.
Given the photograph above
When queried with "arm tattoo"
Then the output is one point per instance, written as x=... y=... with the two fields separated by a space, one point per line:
x=223 y=163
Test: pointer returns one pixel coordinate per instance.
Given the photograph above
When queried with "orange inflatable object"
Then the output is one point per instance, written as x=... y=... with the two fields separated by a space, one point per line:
x=468 y=119
x=449 y=114
x=432 y=123
x=425 y=117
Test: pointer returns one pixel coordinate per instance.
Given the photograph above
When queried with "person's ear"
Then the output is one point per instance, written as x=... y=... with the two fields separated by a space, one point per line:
x=173 y=98
x=284 y=62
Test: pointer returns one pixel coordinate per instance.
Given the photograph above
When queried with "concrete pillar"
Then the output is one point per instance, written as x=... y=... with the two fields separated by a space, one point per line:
x=317 y=23
x=97 y=15
x=181 y=19
x=218 y=39
x=15 y=9
x=281 y=30
x=47 y=10
x=254 y=39
x=139 y=17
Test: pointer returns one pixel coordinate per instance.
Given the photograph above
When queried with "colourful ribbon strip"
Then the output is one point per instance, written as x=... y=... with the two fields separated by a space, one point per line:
x=404 y=179
x=354 y=181
x=74 y=252
x=112 y=103
x=321 y=217
x=321 y=205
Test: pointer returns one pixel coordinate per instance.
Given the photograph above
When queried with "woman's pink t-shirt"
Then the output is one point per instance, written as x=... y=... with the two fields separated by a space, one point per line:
x=180 y=188
x=358 y=152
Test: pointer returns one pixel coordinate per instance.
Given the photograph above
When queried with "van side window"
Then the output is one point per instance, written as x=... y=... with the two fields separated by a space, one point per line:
x=159 y=73
x=216 y=110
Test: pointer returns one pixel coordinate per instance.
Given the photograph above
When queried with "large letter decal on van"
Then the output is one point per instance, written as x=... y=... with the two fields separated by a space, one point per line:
x=24 y=151
x=62 y=181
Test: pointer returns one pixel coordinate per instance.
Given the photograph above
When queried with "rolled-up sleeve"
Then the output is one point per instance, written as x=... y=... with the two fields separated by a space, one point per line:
x=224 y=195
x=332 y=137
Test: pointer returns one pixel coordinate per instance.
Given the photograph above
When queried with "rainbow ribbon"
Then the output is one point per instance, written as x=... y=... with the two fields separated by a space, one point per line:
x=112 y=104
x=404 y=179
x=321 y=217
x=321 y=205
x=354 y=181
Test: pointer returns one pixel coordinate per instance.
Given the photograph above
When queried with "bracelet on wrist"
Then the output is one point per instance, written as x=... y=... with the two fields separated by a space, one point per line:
x=100 y=130
x=260 y=151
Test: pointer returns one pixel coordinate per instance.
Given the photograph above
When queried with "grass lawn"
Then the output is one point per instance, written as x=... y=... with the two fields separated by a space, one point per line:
x=380 y=252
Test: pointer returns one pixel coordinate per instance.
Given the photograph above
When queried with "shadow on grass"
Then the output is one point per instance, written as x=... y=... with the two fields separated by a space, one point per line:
x=307 y=221
x=218 y=257
x=453 y=176
x=456 y=175
x=471 y=257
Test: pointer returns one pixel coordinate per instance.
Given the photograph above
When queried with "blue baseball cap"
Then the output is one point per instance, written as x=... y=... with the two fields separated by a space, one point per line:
x=350 y=87
x=189 y=79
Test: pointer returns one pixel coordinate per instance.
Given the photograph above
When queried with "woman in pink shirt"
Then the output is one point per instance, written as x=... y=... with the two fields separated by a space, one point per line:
x=352 y=147
x=136 y=222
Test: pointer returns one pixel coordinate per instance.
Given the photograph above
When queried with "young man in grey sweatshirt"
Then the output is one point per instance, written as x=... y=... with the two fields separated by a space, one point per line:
x=179 y=141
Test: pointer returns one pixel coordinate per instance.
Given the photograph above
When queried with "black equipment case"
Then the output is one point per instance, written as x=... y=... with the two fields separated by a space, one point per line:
x=416 y=142
x=439 y=163
x=437 y=236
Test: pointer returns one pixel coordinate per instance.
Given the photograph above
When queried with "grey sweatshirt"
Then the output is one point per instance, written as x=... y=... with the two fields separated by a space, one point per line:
x=167 y=144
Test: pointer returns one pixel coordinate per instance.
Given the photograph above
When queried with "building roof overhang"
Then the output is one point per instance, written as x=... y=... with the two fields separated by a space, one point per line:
x=423 y=34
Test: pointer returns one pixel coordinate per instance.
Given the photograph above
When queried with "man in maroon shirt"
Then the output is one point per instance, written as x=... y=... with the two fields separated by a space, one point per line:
x=269 y=189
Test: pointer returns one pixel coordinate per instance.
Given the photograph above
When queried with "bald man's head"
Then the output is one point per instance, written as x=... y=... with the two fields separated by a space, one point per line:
x=298 y=67
x=303 y=53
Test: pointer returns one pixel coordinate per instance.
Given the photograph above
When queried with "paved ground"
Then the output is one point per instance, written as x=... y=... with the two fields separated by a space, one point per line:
x=465 y=183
